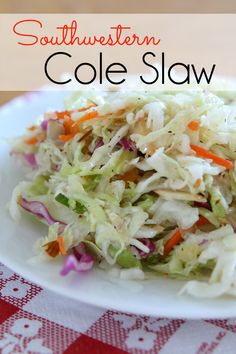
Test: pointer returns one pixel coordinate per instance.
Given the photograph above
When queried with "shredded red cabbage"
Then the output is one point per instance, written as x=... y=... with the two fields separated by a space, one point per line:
x=39 y=210
x=127 y=144
x=151 y=245
x=31 y=160
x=79 y=251
x=99 y=144
x=205 y=205
x=44 y=124
x=73 y=264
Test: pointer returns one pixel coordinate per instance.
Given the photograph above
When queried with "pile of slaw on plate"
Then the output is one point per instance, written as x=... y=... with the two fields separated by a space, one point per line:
x=140 y=183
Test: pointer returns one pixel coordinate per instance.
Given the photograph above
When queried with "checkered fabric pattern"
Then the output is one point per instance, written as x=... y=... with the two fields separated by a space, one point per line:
x=34 y=320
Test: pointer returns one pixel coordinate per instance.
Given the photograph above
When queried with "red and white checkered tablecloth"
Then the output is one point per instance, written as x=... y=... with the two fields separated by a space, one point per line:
x=34 y=320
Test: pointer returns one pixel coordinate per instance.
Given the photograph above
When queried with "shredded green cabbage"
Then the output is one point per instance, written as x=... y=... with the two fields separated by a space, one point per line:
x=101 y=184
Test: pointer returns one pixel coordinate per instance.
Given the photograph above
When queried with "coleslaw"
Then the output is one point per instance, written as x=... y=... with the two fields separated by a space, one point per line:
x=139 y=183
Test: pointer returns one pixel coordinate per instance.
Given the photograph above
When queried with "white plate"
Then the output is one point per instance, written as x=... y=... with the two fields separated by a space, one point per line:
x=153 y=297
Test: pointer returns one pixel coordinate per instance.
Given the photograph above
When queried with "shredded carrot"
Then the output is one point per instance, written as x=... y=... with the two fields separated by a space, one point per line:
x=61 y=245
x=66 y=137
x=68 y=122
x=209 y=155
x=70 y=130
x=63 y=114
x=202 y=221
x=176 y=238
x=87 y=116
x=32 y=141
x=173 y=241
x=70 y=127
x=87 y=107
x=194 y=125
x=197 y=183
x=67 y=114
x=52 y=248
x=74 y=129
